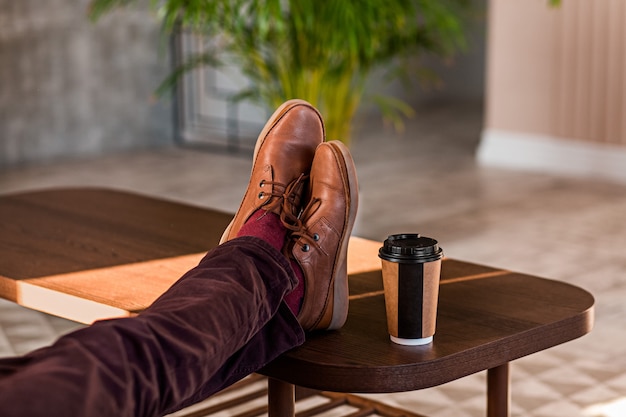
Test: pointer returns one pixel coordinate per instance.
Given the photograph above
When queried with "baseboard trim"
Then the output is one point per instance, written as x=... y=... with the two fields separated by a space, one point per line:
x=544 y=153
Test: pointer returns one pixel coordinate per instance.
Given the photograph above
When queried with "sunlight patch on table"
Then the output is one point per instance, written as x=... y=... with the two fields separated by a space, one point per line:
x=363 y=255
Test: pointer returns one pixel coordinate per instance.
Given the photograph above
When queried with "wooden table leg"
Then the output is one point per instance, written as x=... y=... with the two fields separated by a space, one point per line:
x=281 y=398
x=498 y=393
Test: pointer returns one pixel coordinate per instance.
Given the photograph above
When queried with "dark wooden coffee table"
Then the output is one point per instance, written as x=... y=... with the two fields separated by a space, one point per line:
x=87 y=254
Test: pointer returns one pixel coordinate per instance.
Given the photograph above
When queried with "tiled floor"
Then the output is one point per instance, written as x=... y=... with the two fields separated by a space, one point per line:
x=425 y=180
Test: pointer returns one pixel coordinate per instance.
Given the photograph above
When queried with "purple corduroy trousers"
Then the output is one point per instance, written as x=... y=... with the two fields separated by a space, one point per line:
x=223 y=320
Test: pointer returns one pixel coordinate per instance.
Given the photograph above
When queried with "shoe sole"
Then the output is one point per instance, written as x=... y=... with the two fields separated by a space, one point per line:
x=340 y=280
x=274 y=118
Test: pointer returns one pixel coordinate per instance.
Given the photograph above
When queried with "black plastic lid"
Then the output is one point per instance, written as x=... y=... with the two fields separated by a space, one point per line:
x=410 y=247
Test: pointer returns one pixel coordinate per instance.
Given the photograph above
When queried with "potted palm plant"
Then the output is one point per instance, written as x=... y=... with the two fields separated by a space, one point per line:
x=321 y=51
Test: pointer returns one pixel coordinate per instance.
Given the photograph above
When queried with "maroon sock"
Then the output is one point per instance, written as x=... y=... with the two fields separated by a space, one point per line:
x=267 y=226
x=295 y=297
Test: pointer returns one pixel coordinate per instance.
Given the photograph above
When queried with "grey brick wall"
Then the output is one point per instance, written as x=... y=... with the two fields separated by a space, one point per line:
x=71 y=88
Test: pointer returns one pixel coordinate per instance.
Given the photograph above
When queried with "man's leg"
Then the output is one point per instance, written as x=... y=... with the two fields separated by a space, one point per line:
x=177 y=352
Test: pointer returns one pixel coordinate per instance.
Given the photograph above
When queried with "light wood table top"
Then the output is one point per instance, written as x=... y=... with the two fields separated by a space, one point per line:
x=87 y=254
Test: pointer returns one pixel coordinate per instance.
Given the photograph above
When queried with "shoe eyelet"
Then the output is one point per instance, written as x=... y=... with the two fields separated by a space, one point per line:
x=261 y=194
x=305 y=247
x=262 y=183
x=316 y=237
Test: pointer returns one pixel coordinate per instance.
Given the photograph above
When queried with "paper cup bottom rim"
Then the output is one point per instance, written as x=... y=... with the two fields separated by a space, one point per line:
x=411 y=342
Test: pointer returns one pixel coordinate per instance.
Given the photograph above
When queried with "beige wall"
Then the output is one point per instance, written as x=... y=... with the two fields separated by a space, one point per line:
x=558 y=72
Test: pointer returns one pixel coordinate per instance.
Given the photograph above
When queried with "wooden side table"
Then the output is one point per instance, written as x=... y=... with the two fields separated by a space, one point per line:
x=487 y=318
x=88 y=254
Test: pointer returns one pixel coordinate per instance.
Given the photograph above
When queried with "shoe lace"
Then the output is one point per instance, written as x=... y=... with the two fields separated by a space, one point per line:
x=291 y=210
x=287 y=197
x=299 y=229
x=276 y=196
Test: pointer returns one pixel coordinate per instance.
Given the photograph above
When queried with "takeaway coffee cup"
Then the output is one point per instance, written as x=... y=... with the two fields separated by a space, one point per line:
x=411 y=267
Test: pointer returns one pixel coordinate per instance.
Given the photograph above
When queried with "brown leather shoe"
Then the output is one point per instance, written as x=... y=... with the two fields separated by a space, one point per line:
x=321 y=244
x=283 y=154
